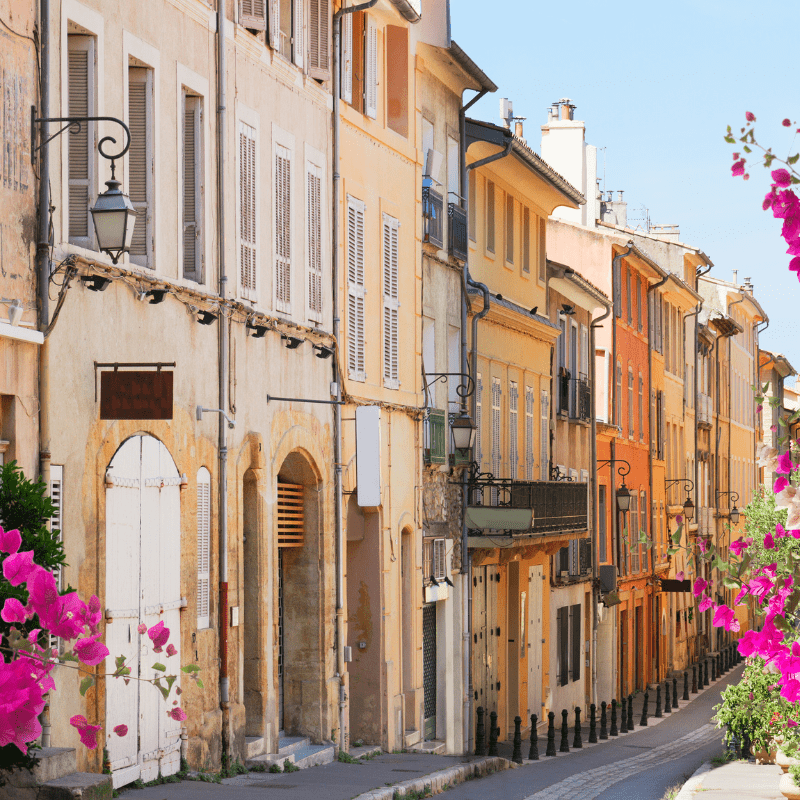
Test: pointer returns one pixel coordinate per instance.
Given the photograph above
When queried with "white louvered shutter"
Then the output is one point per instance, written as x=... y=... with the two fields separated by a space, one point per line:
x=253 y=14
x=140 y=166
x=544 y=437
x=478 y=417
x=319 y=38
x=513 y=429
x=275 y=24
x=314 y=243
x=192 y=190
x=203 y=548
x=356 y=367
x=439 y=555
x=391 y=303
x=347 y=58
x=283 y=229
x=56 y=523
x=496 y=422
x=80 y=103
x=529 y=409
x=371 y=68
x=298 y=33
x=247 y=212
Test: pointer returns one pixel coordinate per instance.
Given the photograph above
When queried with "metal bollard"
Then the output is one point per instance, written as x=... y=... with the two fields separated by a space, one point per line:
x=643 y=720
x=705 y=673
x=685 y=685
x=603 y=720
x=564 y=732
x=533 y=753
x=493 y=730
x=551 y=734
x=630 y=713
x=675 y=693
x=577 y=741
x=480 y=734
x=516 y=755
x=667 y=701
x=613 y=731
x=592 y=724
x=624 y=726
x=658 y=700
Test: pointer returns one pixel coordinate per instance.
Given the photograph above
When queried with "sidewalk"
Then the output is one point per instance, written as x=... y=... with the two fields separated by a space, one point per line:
x=738 y=780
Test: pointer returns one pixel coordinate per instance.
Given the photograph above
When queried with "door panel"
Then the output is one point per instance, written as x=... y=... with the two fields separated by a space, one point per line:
x=534 y=643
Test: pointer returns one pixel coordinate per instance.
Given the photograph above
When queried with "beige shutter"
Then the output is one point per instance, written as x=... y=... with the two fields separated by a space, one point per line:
x=283 y=229
x=291 y=523
x=56 y=522
x=140 y=175
x=371 y=68
x=192 y=190
x=439 y=559
x=355 y=290
x=513 y=429
x=298 y=34
x=529 y=411
x=253 y=14
x=347 y=58
x=319 y=38
x=247 y=211
x=314 y=245
x=275 y=24
x=496 y=432
x=478 y=419
x=391 y=303
x=80 y=103
x=203 y=548
x=544 y=437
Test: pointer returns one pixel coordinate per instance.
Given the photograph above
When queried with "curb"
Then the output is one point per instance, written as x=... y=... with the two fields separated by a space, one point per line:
x=437 y=782
x=694 y=783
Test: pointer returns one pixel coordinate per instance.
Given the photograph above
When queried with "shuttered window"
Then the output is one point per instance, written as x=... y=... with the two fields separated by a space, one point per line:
x=497 y=454
x=286 y=29
x=618 y=399
x=490 y=216
x=526 y=240
x=630 y=403
x=356 y=367
x=371 y=68
x=314 y=241
x=192 y=189
x=530 y=405
x=203 y=548
x=641 y=407
x=347 y=58
x=290 y=515
x=80 y=146
x=633 y=533
x=513 y=429
x=140 y=163
x=562 y=644
x=283 y=229
x=298 y=33
x=438 y=559
x=391 y=303
x=576 y=638
x=319 y=38
x=253 y=14
x=643 y=526
x=248 y=262
x=478 y=420
x=509 y=228
x=56 y=523
x=542 y=253
x=544 y=436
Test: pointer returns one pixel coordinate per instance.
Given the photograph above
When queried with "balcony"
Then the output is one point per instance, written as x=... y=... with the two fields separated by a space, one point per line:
x=574 y=397
x=458 y=231
x=705 y=522
x=705 y=412
x=432 y=216
x=435 y=437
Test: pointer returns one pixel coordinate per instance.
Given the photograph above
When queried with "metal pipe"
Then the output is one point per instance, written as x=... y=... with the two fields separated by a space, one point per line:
x=337 y=408
x=696 y=315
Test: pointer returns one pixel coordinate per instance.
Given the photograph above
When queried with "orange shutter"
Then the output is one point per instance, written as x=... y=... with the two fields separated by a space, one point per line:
x=290 y=515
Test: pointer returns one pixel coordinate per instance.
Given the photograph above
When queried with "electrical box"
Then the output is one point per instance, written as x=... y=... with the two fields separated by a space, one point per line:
x=234 y=616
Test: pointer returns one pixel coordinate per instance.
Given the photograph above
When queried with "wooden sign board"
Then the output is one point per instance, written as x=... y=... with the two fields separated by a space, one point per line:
x=668 y=585
x=135 y=394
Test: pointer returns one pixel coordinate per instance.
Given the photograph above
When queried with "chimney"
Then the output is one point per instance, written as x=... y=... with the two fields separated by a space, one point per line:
x=619 y=193
x=736 y=277
x=518 y=129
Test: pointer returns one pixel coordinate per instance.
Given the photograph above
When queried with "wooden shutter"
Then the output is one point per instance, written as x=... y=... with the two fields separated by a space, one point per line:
x=247 y=212
x=347 y=59
x=355 y=290
x=319 y=38
x=371 y=68
x=544 y=436
x=203 y=548
x=662 y=436
x=496 y=452
x=509 y=228
x=290 y=515
x=562 y=635
x=314 y=245
x=140 y=164
x=490 y=209
x=298 y=33
x=192 y=189
x=391 y=303
x=526 y=239
x=56 y=523
x=616 y=278
x=275 y=24
x=438 y=558
x=542 y=241
x=513 y=429
x=529 y=410
x=80 y=146
x=253 y=14
x=577 y=640
x=283 y=229
x=478 y=419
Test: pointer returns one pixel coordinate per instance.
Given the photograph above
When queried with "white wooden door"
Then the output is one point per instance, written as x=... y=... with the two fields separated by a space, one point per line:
x=479 y=636
x=534 y=643
x=143 y=579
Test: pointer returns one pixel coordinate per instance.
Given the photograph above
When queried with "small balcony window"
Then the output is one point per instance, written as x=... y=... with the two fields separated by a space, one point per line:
x=436 y=437
x=433 y=216
x=458 y=231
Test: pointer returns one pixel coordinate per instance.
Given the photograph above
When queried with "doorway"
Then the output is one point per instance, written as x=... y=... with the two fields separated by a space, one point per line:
x=429 y=673
x=533 y=645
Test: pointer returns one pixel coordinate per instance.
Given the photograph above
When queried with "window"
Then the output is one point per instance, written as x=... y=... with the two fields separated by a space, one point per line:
x=639 y=287
x=628 y=295
x=618 y=404
x=473 y=179
x=319 y=39
x=601 y=520
x=371 y=68
x=490 y=216
x=496 y=446
x=397 y=79
x=453 y=172
x=526 y=240
x=193 y=188
x=203 y=548
x=355 y=290
x=248 y=261
x=513 y=429
x=643 y=549
x=286 y=29
x=81 y=146
x=314 y=241
x=641 y=407
x=253 y=14
x=633 y=532
x=631 y=430
x=642 y=304
x=56 y=521
x=542 y=253
x=530 y=405
x=562 y=644
x=576 y=637
x=478 y=418
x=509 y=228
x=348 y=58
x=391 y=303
x=140 y=163
x=283 y=229
x=544 y=436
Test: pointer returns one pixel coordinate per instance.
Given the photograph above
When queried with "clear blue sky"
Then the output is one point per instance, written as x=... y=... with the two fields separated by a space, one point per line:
x=657 y=84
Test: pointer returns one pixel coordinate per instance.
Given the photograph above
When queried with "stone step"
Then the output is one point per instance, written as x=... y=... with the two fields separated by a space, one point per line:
x=54 y=762
x=83 y=785
x=253 y=746
x=288 y=744
x=412 y=737
x=266 y=760
x=431 y=747
x=313 y=755
x=365 y=750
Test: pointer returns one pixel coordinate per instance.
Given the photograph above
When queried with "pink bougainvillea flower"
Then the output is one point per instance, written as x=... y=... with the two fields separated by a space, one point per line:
x=699 y=585
x=702 y=544
x=171 y=651
x=10 y=540
x=781 y=482
x=786 y=123
x=78 y=721
x=743 y=592
x=13 y=611
x=738 y=546
x=679 y=519
x=750 y=116
x=159 y=634
x=705 y=603
x=791 y=690
x=796 y=533
x=760 y=587
x=142 y=628
x=121 y=730
x=781 y=177
x=177 y=714
x=780 y=531
x=88 y=733
x=679 y=575
x=723 y=617
x=90 y=651
x=17 y=568
x=794 y=264
x=93 y=614
x=769 y=542
x=738 y=168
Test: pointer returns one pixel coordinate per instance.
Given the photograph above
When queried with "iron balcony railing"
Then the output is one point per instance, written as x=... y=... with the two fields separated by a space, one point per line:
x=574 y=397
x=433 y=216
x=458 y=231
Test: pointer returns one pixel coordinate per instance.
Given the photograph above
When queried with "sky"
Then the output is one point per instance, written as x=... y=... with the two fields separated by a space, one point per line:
x=657 y=84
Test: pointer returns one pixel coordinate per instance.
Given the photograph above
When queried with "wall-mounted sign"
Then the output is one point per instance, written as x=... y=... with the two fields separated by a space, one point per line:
x=500 y=519
x=668 y=585
x=135 y=394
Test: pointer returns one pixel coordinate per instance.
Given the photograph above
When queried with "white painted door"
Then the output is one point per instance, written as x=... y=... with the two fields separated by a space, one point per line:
x=142 y=585
x=534 y=643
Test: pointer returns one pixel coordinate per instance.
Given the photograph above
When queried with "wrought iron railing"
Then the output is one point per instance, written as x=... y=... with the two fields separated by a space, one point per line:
x=458 y=231
x=562 y=385
x=432 y=215
x=583 y=410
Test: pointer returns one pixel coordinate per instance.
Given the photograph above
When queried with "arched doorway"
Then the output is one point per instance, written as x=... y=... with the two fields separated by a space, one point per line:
x=143 y=563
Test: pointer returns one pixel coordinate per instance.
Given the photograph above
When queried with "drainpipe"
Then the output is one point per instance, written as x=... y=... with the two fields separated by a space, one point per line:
x=757 y=382
x=224 y=681
x=593 y=439
x=337 y=409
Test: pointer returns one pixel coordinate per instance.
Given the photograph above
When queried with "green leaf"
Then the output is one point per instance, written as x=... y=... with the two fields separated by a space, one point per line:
x=119 y=661
x=70 y=656
x=729 y=139
x=190 y=668
x=199 y=683
x=160 y=667
x=163 y=689
x=747 y=149
x=676 y=537
x=795 y=180
x=730 y=583
x=86 y=684
x=744 y=564
x=793 y=159
x=781 y=623
x=170 y=680
x=671 y=551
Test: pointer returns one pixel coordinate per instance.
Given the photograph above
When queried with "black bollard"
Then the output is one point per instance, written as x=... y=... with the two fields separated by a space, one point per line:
x=613 y=730
x=516 y=755
x=493 y=730
x=630 y=713
x=643 y=720
x=658 y=700
x=480 y=734
x=667 y=701
x=603 y=720
x=624 y=724
x=705 y=673
x=551 y=735
x=685 y=685
x=724 y=660
x=577 y=741
x=533 y=753
x=675 y=693
x=592 y=724
x=713 y=668
x=564 y=732
x=719 y=665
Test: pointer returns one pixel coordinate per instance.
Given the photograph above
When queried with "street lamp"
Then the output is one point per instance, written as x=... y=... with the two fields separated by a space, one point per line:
x=734 y=513
x=463 y=429
x=114 y=218
x=623 y=498
x=688 y=486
